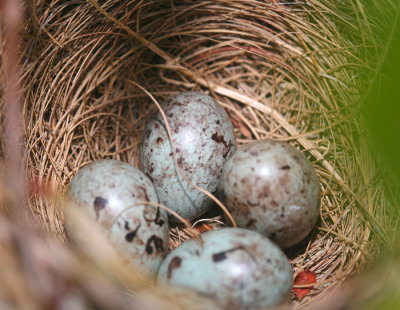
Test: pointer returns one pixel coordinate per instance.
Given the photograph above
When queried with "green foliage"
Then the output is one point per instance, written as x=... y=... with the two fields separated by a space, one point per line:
x=382 y=97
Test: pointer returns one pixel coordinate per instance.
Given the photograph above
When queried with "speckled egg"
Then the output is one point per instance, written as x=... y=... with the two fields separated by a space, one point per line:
x=203 y=139
x=107 y=191
x=271 y=187
x=239 y=268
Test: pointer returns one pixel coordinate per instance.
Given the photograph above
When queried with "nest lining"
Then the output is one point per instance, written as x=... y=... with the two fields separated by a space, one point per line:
x=281 y=71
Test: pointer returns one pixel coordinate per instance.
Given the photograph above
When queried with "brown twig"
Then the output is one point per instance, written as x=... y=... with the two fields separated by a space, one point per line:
x=12 y=14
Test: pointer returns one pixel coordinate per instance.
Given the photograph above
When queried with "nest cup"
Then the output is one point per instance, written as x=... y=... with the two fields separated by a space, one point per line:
x=280 y=70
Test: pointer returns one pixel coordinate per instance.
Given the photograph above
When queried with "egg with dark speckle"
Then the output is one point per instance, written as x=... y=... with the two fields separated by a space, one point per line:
x=203 y=139
x=109 y=191
x=239 y=268
x=271 y=187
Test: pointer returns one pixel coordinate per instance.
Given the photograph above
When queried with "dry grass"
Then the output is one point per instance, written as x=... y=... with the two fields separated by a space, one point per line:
x=283 y=71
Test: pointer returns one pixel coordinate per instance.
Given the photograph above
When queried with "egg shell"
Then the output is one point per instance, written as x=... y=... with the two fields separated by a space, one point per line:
x=107 y=191
x=203 y=138
x=271 y=187
x=239 y=268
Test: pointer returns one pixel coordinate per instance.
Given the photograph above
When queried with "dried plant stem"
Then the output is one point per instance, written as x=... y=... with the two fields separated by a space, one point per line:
x=137 y=36
x=308 y=145
x=13 y=126
x=282 y=70
x=172 y=63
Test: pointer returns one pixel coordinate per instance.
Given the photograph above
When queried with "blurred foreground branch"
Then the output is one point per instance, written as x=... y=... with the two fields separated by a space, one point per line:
x=12 y=126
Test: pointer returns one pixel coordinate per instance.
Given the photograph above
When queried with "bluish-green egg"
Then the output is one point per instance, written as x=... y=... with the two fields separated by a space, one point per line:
x=239 y=268
x=109 y=191
x=271 y=187
x=203 y=139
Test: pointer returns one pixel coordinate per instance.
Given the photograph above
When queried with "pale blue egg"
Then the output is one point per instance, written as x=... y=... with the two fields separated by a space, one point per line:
x=203 y=138
x=109 y=191
x=239 y=268
x=271 y=187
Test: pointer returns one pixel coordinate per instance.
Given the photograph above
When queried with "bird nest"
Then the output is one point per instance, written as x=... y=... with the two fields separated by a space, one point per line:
x=286 y=71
